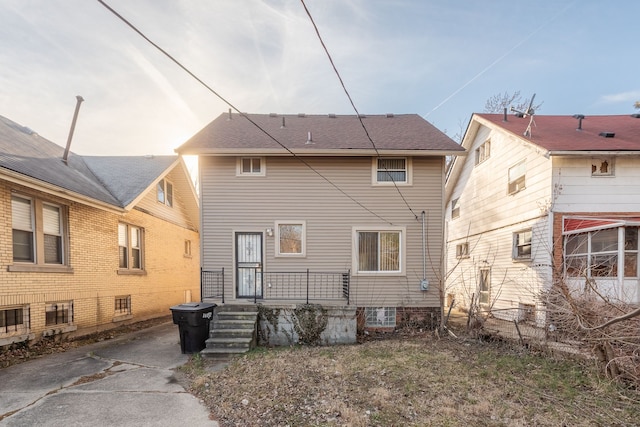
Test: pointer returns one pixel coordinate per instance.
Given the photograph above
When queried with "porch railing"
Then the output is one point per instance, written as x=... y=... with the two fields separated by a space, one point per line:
x=286 y=286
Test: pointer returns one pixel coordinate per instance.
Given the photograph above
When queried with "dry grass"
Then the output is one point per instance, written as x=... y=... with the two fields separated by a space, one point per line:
x=414 y=381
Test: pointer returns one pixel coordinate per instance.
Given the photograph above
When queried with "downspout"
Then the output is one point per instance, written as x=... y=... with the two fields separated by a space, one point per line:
x=65 y=156
x=424 y=283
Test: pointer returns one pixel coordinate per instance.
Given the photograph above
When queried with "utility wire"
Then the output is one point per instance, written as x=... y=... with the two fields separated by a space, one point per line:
x=335 y=69
x=179 y=64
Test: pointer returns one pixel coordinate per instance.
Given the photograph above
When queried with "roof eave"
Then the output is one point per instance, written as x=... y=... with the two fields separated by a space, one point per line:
x=349 y=152
x=36 y=184
x=580 y=153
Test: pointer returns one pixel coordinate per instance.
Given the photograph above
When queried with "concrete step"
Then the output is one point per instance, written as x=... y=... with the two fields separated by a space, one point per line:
x=229 y=343
x=231 y=333
x=233 y=324
x=236 y=315
x=237 y=308
x=222 y=353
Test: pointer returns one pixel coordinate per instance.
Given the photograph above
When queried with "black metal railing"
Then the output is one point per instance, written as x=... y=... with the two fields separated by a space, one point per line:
x=212 y=284
x=286 y=286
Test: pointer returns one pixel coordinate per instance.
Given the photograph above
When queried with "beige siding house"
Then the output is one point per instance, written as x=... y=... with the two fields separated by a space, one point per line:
x=306 y=209
x=93 y=242
x=538 y=197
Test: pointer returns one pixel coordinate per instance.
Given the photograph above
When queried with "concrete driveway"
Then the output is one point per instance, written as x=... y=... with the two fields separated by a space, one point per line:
x=127 y=381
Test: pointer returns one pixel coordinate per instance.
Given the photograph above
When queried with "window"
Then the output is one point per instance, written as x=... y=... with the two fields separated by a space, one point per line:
x=483 y=152
x=252 y=166
x=602 y=166
x=384 y=317
x=187 y=248
x=595 y=253
x=123 y=305
x=59 y=313
x=455 y=208
x=165 y=192
x=379 y=251
x=516 y=178
x=38 y=232
x=393 y=170
x=14 y=320
x=484 y=287
x=522 y=245
x=130 y=248
x=290 y=238
x=462 y=250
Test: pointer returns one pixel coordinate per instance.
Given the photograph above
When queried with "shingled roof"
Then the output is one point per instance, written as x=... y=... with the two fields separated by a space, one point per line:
x=559 y=133
x=232 y=133
x=114 y=181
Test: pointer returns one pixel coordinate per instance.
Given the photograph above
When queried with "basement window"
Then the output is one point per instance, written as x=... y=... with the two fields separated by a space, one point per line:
x=381 y=317
x=59 y=313
x=602 y=166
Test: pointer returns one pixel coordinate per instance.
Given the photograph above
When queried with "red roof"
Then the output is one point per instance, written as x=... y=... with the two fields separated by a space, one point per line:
x=559 y=133
x=329 y=133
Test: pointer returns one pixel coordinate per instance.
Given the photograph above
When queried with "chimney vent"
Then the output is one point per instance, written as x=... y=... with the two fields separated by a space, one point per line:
x=302 y=115
x=229 y=116
x=283 y=126
x=65 y=156
x=390 y=116
x=607 y=134
x=579 y=117
x=504 y=114
x=309 y=138
x=332 y=115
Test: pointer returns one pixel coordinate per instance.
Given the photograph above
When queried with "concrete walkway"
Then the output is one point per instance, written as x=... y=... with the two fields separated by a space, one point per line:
x=127 y=381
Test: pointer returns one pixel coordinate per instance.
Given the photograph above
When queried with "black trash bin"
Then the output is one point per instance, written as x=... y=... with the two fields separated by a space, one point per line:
x=193 y=323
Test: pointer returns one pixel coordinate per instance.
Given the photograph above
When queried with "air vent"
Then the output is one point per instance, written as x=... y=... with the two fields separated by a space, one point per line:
x=607 y=134
x=636 y=116
x=332 y=116
x=273 y=114
x=579 y=117
x=302 y=115
x=390 y=115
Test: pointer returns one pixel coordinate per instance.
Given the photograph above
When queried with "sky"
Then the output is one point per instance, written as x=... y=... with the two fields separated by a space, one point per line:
x=441 y=59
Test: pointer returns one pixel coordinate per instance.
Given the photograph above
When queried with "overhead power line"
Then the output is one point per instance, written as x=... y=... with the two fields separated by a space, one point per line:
x=335 y=69
x=210 y=89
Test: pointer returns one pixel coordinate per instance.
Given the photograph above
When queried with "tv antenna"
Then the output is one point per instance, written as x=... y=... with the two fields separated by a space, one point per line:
x=528 y=112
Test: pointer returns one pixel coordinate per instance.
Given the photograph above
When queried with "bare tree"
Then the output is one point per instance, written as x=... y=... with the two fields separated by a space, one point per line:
x=497 y=103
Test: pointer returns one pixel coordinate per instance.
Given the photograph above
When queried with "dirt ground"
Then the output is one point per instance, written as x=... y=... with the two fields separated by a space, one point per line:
x=409 y=380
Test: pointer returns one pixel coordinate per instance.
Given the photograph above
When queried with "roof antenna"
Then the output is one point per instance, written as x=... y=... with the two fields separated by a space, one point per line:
x=528 y=112
x=65 y=156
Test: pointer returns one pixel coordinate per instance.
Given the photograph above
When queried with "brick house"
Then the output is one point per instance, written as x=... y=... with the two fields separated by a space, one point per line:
x=90 y=242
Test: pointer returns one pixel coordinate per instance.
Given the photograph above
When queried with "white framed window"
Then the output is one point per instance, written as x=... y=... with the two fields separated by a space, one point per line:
x=597 y=253
x=522 y=245
x=122 y=305
x=14 y=320
x=38 y=231
x=484 y=287
x=602 y=166
x=462 y=250
x=130 y=248
x=379 y=250
x=251 y=166
x=483 y=152
x=517 y=178
x=290 y=238
x=164 y=192
x=59 y=313
x=391 y=170
x=455 y=208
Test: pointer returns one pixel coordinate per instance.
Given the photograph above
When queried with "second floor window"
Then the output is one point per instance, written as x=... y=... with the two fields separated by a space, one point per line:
x=517 y=178
x=392 y=170
x=165 y=192
x=483 y=152
x=522 y=245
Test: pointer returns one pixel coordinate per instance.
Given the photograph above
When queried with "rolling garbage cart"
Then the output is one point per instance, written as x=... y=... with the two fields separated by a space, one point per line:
x=193 y=323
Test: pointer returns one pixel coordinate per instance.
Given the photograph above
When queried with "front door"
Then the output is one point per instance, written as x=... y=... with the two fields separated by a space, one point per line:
x=249 y=265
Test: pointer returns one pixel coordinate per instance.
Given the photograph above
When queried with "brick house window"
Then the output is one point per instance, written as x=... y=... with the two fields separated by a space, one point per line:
x=39 y=232
x=14 y=320
x=123 y=305
x=383 y=317
x=130 y=248
x=59 y=313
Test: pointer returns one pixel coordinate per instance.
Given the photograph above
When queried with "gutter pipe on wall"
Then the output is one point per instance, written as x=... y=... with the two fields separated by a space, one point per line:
x=424 y=283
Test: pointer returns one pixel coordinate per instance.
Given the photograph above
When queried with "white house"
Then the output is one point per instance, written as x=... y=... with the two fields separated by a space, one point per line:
x=539 y=195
